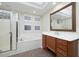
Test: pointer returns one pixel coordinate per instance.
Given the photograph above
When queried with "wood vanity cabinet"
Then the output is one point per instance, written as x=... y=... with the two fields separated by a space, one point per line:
x=50 y=43
x=60 y=47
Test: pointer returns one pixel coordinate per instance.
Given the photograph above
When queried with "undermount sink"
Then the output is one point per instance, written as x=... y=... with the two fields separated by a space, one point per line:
x=56 y=33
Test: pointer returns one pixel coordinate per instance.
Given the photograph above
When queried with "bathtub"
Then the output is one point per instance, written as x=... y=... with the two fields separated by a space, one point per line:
x=29 y=42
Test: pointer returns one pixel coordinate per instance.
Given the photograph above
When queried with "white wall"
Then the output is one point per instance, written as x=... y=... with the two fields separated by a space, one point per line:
x=46 y=19
x=77 y=17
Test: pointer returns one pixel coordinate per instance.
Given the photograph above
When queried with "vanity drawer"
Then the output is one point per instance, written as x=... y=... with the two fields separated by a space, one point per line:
x=60 y=55
x=64 y=53
x=60 y=41
x=64 y=48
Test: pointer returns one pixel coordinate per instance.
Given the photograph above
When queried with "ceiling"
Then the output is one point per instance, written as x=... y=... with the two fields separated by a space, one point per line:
x=37 y=8
x=38 y=5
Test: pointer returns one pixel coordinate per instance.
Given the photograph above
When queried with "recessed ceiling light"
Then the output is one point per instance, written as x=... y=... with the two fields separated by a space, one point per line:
x=34 y=12
x=54 y=3
x=0 y=3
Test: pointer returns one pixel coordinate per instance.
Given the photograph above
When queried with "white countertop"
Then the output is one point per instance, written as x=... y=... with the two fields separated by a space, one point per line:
x=69 y=36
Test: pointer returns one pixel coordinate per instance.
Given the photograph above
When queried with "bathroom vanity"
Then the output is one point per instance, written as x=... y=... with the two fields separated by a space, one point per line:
x=62 y=46
x=66 y=44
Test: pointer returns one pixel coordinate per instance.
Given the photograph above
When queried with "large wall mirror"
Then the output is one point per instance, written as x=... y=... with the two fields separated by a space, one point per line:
x=64 y=19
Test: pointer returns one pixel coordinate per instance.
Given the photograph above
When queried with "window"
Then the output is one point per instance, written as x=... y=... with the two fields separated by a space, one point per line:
x=4 y=15
x=37 y=27
x=27 y=17
x=27 y=27
x=37 y=19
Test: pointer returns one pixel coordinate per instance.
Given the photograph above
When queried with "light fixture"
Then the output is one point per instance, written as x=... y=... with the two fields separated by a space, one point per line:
x=0 y=3
x=34 y=12
x=54 y=3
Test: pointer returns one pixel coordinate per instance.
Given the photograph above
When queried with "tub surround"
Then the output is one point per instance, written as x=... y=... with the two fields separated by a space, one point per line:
x=69 y=36
x=29 y=37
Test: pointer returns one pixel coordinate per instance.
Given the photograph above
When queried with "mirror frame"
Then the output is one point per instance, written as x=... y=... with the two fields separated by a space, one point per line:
x=73 y=4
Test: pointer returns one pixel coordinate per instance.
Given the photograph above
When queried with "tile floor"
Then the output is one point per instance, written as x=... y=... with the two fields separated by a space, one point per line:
x=35 y=53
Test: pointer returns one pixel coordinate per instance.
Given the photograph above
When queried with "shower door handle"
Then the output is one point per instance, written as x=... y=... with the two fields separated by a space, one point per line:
x=10 y=40
x=10 y=35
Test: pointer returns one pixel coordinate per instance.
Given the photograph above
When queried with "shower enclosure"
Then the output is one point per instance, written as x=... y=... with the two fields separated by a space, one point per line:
x=5 y=31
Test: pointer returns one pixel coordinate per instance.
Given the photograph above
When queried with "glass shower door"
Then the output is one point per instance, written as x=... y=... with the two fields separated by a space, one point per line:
x=4 y=31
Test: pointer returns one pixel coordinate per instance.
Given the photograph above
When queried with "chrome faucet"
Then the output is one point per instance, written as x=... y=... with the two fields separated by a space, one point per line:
x=56 y=33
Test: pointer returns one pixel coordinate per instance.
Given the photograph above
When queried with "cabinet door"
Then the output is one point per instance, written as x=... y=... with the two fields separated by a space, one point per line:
x=48 y=41
x=61 y=47
x=51 y=43
x=44 y=41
